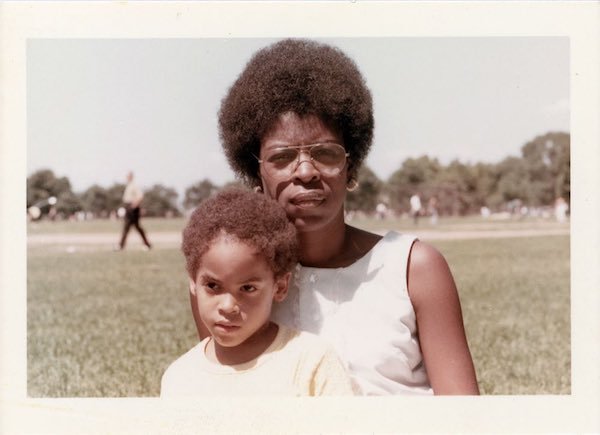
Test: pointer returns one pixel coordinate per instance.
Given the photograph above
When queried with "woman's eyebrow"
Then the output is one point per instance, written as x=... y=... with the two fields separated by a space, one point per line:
x=286 y=144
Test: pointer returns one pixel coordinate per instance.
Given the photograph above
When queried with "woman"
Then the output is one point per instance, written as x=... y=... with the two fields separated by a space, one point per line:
x=297 y=124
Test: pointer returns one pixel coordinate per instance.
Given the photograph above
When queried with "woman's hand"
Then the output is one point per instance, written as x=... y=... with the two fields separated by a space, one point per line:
x=439 y=321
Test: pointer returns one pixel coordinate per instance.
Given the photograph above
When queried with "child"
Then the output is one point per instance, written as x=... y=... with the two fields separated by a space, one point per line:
x=240 y=249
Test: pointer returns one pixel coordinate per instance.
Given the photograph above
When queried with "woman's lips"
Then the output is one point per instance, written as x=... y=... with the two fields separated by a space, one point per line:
x=308 y=199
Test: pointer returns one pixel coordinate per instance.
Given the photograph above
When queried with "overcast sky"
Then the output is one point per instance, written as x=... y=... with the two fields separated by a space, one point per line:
x=97 y=108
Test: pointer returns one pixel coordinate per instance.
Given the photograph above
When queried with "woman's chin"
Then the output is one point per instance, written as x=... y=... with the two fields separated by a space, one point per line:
x=314 y=218
x=309 y=224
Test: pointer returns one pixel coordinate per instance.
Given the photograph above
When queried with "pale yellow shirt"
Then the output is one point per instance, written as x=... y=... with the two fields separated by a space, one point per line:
x=295 y=364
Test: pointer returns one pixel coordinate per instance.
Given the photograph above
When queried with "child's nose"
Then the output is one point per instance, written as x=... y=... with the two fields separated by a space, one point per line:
x=229 y=305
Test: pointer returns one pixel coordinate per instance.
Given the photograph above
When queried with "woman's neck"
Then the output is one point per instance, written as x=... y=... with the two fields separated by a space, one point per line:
x=335 y=247
x=321 y=248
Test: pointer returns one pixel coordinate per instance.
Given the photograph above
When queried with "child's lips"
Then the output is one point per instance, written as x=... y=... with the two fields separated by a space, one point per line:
x=227 y=327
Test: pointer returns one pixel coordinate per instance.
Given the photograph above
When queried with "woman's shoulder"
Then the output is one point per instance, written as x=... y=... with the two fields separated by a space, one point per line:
x=424 y=255
x=426 y=266
x=392 y=244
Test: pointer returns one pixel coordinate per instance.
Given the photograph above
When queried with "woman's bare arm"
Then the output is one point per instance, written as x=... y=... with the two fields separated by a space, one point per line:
x=439 y=321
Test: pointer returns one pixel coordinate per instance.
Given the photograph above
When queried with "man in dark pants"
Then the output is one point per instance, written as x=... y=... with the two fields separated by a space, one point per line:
x=132 y=198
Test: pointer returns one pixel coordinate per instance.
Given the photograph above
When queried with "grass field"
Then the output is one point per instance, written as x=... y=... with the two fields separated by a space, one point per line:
x=445 y=224
x=106 y=324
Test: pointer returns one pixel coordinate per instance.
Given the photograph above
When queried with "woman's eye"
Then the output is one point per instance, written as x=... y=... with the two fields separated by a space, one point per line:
x=248 y=288
x=283 y=157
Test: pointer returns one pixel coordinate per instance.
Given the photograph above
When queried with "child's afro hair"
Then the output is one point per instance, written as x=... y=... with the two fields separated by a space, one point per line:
x=301 y=76
x=250 y=217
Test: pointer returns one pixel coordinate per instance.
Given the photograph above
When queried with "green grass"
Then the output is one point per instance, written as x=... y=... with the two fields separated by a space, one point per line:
x=515 y=295
x=106 y=324
x=177 y=224
x=469 y=223
x=102 y=226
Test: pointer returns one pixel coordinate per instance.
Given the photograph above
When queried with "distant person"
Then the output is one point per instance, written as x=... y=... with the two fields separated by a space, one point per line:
x=432 y=209
x=240 y=249
x=560 y=209
x=132 y=199
x=381 y=211
x=415 y=207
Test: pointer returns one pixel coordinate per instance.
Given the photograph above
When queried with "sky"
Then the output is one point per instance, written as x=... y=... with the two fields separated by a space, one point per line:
x=97 y=108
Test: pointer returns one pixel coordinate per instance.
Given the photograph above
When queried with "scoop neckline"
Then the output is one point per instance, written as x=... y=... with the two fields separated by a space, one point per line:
x=384 y=237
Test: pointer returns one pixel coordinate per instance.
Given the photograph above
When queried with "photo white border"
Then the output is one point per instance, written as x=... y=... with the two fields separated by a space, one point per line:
x=578 y=412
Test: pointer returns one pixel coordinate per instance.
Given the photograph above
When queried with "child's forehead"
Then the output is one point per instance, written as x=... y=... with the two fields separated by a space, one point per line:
x=231 y=258
x=234 y=245
x=223 y=236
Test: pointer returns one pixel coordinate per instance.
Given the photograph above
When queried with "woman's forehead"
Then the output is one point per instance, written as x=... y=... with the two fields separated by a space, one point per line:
x=292 y=129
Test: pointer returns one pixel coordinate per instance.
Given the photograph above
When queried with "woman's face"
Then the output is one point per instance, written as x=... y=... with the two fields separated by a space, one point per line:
x=313 y=201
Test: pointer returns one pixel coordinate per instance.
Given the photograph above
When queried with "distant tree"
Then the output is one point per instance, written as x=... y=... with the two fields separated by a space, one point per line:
x=43 y=184
x=414 y=176
x=197 y=193
x=486 y=180
x=160 y=201
x=68 y=203
x=455 y=187
x=366 y=195
x=513 y=181
x=114 y=196
x=95 y=199
x=548 y=163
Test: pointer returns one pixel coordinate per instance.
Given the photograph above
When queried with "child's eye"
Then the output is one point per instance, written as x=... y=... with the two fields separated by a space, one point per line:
x=211 y=286
x=248 y=288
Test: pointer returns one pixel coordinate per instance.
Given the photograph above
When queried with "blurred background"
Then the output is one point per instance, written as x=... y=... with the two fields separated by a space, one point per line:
x=473 y=122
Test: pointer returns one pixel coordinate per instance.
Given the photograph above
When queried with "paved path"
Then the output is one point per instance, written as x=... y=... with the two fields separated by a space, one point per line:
x=170 y=239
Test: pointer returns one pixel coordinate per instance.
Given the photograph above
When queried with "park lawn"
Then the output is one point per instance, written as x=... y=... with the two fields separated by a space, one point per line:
x=107 y=324
x=103 y=323
x=444 y=224
x=113 y=226
x=515 y=296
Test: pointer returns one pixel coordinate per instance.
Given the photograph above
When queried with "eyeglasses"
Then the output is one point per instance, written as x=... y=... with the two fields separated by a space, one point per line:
x=328 y=158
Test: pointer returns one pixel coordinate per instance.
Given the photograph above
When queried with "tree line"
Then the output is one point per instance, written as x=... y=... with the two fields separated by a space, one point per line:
x=535 y=179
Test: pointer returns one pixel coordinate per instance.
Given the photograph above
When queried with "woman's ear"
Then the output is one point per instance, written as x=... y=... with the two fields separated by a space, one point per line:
x=282 y=284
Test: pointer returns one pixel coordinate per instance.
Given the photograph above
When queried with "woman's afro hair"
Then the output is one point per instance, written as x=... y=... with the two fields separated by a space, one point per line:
x=249 y=217
x=301 y=76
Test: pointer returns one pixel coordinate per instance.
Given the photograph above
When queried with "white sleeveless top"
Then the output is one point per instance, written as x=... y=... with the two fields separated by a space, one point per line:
x=365 y=312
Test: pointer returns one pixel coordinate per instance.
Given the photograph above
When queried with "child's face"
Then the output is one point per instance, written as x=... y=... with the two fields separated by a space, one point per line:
x=235 y=288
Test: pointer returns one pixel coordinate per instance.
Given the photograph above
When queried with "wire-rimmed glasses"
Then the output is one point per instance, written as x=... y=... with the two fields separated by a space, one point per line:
x=328 y=158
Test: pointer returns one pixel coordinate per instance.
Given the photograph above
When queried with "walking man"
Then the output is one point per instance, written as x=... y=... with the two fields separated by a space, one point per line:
x=132 y=198
x=415 y=207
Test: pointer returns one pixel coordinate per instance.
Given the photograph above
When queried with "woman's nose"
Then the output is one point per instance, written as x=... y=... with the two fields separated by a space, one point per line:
x=306 y=170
